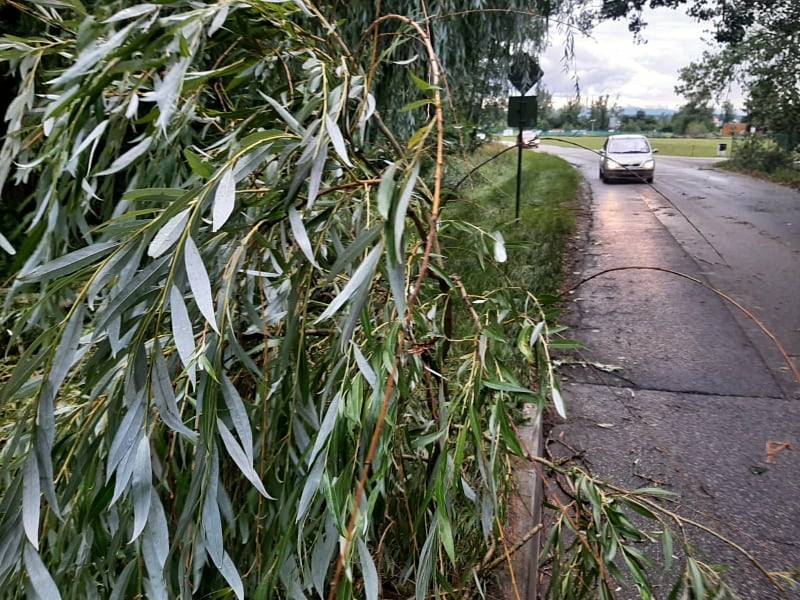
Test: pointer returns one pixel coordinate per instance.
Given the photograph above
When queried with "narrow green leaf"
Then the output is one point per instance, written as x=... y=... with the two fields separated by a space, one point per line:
x=666 y=543
x=38 y=575
x=357 y=246
x=337 y=140
x=70 y=262
x=400 y=210
x=366 y=369
x=212 y=522
x=240 y=458
x=386 y=191
x=168 y=234
x=142 y=485
x=198 y=166
x=238 y=413
x=121 y=584
x=127 y=158
x=315 y=178
x=231 y=575
x=558 y=402
x=155 y=546
x=6 y=245
x=416 y=104
x=368 y=571
x=425 y=564
x=507 y=387
x=696 y=577
x=310 y=487
x=182 y=333
x=446 y=534
x=284 y=114
x=421 y=84
x=325 y=428
x=31 y=500
x=224 y=200
x=131 y=12
x=198 y=282
x=362 y=276
x=219 y=19
x=301 y=236
x=164 y=396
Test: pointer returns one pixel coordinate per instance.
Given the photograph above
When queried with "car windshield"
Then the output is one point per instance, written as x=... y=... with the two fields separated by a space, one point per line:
x=628 y=145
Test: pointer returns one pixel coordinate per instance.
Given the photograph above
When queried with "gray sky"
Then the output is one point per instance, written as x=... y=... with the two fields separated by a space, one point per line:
x=611 y=62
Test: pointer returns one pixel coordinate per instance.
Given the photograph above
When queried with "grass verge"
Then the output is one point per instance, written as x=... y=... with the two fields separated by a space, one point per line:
x=700 y=147
x=787 y=177
x=535 y=245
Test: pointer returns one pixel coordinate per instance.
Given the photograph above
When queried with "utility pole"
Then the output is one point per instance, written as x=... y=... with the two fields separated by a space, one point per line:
x=519 y=173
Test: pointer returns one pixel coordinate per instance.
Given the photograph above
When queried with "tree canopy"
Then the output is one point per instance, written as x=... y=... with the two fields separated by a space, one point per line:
x=237 y=368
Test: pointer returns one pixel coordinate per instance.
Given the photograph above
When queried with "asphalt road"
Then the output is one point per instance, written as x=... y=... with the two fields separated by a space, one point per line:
x=688 y=391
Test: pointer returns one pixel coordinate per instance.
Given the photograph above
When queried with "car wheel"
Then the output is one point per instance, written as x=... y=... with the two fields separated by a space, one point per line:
x=649 y=180
x=602 y=177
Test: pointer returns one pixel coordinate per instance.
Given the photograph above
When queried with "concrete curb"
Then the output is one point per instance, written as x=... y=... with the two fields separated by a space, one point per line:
x=526 y=559
x=525 y=510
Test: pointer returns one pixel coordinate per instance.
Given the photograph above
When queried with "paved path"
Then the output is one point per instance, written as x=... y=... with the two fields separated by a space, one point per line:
x=699 y=392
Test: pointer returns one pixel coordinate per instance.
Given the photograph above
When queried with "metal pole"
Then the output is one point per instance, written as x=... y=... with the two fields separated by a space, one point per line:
x=519 y=173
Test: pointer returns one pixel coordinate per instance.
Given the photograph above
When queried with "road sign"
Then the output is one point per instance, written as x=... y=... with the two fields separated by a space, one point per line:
x=524 y=73
x=522 y=111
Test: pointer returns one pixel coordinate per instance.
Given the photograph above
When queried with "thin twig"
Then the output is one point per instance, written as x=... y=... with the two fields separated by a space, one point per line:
x=362 y=481
x=711 y=288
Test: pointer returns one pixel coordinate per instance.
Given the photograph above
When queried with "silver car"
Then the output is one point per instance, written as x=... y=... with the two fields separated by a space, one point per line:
x=627 y=157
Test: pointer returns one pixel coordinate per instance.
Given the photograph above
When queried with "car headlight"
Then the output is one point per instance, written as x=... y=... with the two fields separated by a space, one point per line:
x=610 y=164
x=649 y=164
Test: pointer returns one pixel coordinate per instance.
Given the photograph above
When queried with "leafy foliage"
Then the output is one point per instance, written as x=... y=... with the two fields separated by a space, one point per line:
x=238 y=370
x=236 y=367
x=763 y=57
x=757 y=153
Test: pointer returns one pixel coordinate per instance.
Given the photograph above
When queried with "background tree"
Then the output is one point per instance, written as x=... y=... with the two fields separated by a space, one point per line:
x=600 y=112
x=760 y=49
x=569 y=115
x=695 y=118
x=476 y=45
x=728 y=113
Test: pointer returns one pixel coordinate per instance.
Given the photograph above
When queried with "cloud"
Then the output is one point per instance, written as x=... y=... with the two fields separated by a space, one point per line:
x=636 y=73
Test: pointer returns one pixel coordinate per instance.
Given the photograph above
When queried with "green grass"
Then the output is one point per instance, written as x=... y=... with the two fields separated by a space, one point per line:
x=535 y=245
x=701 y=147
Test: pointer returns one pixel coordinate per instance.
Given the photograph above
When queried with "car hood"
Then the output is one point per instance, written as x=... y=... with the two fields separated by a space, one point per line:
x=630 y=159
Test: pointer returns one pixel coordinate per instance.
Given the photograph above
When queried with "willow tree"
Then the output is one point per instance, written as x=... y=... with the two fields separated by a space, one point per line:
x=476 y=44
x=242 y=363
x=234 y=322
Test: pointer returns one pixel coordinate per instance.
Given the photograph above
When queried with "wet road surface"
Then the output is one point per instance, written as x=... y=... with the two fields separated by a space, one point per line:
x=696 y=390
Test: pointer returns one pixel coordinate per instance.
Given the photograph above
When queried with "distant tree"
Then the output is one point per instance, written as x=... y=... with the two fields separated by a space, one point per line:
x=696 y=129
x=570 y=114
x=640 y=121
x=760 y=51
x=697 y=111
x=728 y=112
x=545 y=100
x=600 y=112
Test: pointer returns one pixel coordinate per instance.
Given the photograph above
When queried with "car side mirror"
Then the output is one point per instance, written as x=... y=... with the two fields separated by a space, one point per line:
x=602 y=152
x=655 y=150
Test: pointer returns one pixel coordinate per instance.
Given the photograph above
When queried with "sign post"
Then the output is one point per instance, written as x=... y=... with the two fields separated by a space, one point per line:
x=522 y=110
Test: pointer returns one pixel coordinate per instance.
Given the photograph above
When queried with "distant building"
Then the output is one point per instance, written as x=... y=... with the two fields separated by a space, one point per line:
x=733 y=128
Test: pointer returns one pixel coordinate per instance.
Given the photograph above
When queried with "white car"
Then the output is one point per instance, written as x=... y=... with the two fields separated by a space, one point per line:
x=627 y=157
x=530 y=139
